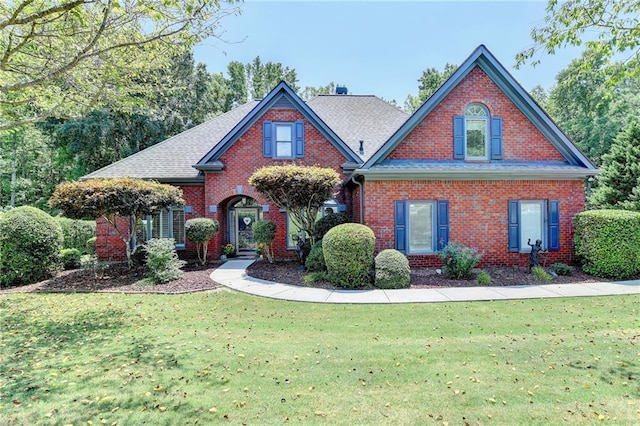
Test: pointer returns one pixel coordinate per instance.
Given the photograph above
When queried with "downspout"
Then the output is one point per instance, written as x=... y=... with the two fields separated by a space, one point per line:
x=361 y=194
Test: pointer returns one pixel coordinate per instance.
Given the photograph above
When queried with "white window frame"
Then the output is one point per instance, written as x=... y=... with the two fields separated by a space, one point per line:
x=434 y=230
x=291 y=141
x=470 y=116
x=524 y=248
x=180 y=243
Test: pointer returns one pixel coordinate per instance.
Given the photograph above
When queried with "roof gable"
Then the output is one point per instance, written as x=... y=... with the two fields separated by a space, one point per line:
x=281 y=95
x=482 y=58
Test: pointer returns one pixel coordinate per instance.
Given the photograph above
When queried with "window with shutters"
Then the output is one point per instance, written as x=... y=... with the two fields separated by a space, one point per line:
x=421 y=227
x=283 y=140
x=531 y=220
x=476 y=135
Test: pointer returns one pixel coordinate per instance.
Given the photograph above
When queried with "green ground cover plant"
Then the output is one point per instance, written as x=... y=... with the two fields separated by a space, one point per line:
x=209 y=358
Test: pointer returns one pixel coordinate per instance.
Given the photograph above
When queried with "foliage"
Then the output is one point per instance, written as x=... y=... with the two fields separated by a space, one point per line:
x=392 y=270
x=310 y=92
x=229 y=250
x=264 y=77
x=200 y=230
x=561 y=269
x=608 y=242
x=76 y=232
x=348 y=254
x=329 y=221
x=301 y=190
x=66 y=58
x=90 y=245
x=71 y=258
x=458 y=260
x=619 y=185
x=484 y=278
x=430 y=81
x=315 y=260
x=30 y=244
x=608 y=28
x=113 y=198
x=162 y=260
x=264 y=232
x=314 y=277
x=540 y=274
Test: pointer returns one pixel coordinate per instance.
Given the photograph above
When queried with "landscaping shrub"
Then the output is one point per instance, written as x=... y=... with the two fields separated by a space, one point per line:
x=30 y=244
x=540 y=274
x=162 y=260
x=329 y=221
x=484 y=278
x=392 y=270
x=348 y=254
x=264 y=232
x=608 y=242
x=315 y=260
x=561 y=269
x=71 y=258
x=76 y=232
x=458 y=260
x=200 y=230
x=90 y=246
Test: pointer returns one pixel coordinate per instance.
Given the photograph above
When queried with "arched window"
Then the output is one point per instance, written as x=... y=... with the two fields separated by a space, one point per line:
x=476 y=134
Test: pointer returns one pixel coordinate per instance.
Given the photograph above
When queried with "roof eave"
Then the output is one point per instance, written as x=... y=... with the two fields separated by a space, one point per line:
x=418 y=174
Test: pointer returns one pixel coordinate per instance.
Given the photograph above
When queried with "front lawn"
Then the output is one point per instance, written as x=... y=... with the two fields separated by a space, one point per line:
x=211 y=357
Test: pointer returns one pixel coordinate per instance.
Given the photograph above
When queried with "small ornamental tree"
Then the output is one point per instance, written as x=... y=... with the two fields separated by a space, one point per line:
x=200 y=230
x=300 y=190
x=113 y=198
x=264 y=232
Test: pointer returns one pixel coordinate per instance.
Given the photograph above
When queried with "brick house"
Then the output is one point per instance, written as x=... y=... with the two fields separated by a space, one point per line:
x=479 y=163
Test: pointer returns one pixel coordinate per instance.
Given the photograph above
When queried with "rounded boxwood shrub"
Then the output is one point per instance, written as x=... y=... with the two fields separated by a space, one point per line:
x=71 y=258
x=30 y=244
x=608 y=242
x=348 y=254
x=392 y=270
x=200 y=230
x=76 y=232
x=329 y=221
x=315 y=259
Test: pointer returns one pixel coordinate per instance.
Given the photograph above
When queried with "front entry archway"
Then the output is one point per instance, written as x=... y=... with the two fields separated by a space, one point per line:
x=243 y=213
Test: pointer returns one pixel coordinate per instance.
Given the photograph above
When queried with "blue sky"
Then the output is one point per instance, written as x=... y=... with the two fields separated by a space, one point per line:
x=381 y=48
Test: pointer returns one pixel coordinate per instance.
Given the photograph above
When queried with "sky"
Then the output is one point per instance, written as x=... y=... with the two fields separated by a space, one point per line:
x=381 y=47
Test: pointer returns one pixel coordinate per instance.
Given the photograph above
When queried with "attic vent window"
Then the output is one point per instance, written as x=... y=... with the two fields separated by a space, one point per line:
x=341 y=90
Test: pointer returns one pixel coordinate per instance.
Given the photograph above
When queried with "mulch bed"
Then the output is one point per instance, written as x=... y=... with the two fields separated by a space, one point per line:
x=119 y=279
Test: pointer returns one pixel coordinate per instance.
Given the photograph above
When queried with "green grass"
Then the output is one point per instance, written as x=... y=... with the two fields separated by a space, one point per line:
x=207 y=358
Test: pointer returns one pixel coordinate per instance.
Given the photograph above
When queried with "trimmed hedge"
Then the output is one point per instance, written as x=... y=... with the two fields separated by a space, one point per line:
x=329 y=221
x=392 y=270
x=71 y=258
x=30 y=244
x=608 y=242
x=348 y=254
x=76 y=232
x=315 y=260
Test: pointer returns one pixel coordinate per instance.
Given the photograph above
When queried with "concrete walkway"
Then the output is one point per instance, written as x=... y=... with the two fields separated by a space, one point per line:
x=233 y=274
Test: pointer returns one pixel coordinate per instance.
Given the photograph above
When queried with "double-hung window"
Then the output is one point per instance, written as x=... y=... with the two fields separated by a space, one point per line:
x=476 y=135
x=531 y=220
x=421 y=226
x=283 y=140
x=168 y=223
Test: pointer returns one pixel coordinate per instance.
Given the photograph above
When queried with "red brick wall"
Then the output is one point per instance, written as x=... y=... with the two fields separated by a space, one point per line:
x=477 y=213
x=433 y=138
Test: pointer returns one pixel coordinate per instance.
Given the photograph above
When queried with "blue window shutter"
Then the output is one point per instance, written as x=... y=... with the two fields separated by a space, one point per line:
x=443 y=224
x=514 y=226
x=496 y=138
x=342 y=208
x=401 y=226
x=299 y=138
x=554 y=225
x=188 y=209
x=267 y=139
x=458 y=137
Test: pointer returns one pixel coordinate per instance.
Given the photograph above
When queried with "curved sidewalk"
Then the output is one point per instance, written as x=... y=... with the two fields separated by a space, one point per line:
x=233 y=274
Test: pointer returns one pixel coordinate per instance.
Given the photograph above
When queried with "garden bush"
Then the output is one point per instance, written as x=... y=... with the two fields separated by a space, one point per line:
x=200 y=230
x=608 y=242
x=76 y=232
x=392 y=270
x=561 y=269
x=329 y=221
x=540 y=274
x=315 y=260
x=458 y=260
x=348 y=254
x=90 y=246
x=71 y=258
x=484 y=278
x=30 y=244
x=264 y=232
x=162 y=260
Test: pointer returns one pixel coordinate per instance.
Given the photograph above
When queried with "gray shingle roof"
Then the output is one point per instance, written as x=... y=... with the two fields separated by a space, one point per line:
x=173 y=159
x=356 y=117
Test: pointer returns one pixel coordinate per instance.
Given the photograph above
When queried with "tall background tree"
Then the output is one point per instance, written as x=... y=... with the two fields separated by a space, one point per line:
x=429 y=82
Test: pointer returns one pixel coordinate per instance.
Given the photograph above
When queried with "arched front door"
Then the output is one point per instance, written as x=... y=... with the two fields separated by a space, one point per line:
x=244 y=212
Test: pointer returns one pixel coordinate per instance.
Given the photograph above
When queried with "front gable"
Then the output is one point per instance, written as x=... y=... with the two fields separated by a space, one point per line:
x=278 y=126
x=480 y=99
